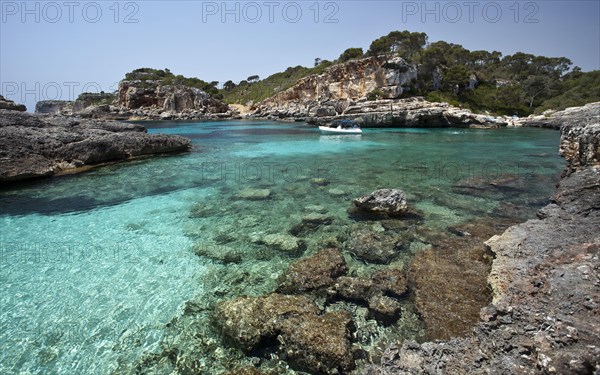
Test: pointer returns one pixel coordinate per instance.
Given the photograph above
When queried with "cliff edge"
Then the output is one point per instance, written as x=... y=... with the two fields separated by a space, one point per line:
x=33 y=146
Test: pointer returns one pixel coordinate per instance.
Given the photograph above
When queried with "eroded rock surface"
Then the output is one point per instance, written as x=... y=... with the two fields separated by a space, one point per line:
x=314 y=272
x=383 y=202
x=34 y=146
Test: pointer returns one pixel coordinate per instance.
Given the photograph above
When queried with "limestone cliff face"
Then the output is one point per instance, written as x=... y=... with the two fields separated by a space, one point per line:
x=351 y=81
x=330 y=93
x=170 y=98
x=341 y=92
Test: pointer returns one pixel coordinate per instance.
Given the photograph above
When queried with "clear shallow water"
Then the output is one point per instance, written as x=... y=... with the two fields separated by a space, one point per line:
x=93 y=266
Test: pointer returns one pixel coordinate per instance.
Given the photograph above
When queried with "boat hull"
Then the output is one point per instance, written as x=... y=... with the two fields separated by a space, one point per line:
x=330 y=131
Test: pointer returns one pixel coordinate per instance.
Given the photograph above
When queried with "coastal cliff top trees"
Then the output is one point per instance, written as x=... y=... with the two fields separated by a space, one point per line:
x=481 y=80
x=165 y=77
x=351 y=53
x=406 y=44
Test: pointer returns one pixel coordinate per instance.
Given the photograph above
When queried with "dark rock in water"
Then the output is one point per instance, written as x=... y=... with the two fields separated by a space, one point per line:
x=385 y=202
x=385 y=309
x=246 y=321
x=449 y=282
x=391 y=282
x=11 y=105
x=318 y=343
x=35 y=146
x=374 y=247
x=314 y=272
x=381 y=292
x=353 y=288
x=307 y=340
x=310 y=222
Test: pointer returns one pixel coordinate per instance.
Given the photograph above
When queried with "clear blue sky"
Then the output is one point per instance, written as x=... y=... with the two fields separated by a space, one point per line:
x=55 y=49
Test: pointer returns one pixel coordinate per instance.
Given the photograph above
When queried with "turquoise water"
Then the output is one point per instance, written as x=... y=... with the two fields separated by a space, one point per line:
x=94 y=267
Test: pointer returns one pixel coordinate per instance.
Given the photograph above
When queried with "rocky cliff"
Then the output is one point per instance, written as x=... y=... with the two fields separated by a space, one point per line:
x=142 y=100
x=10 y=105
x=344 y=90
x=568 y=117
x=33 y=146
x=544 y=317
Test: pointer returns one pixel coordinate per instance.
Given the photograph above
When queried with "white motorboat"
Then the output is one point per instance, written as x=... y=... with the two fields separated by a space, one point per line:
x=341 y=127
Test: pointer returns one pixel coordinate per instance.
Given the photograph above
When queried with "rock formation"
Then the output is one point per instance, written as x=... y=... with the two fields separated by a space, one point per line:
x=142 y=100
x=545 y=283
x=34 y=146
x=589 y=113
x=11 y=105
x=343 y=90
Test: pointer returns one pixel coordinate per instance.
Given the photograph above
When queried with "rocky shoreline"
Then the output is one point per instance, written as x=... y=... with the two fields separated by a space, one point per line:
x=546 y=290
x=35 y=146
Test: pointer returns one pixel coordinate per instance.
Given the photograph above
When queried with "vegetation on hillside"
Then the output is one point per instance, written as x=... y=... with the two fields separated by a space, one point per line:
x=257 y=91
x=165 y=77
x=518 y=84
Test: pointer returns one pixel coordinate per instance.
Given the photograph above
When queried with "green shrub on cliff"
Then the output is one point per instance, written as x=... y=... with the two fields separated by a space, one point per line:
x=375 y=95
x=165 y=77
x=271 y=85
x=350 y=54
x=576 y=89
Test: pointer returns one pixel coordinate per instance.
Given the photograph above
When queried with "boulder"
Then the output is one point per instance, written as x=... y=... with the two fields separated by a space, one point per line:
x=383 y=201
x=246 y=321
x=318 y=344
x=313 y=273
x=307 y=340
x=374 y=247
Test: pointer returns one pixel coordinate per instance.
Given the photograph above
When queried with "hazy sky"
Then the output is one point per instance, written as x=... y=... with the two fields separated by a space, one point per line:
x=51 y=50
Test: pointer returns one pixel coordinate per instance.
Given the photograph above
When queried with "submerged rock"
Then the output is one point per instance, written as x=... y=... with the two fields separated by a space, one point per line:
x=353 y=288
x=305 y=339
x=383 y=202
x=315 y=272
x=283 y=242
x=384 y=308
x=374 y=247
x=318 y=343
x=246 y=321
x=254 y=194
x=218 y=253
x=390 y=281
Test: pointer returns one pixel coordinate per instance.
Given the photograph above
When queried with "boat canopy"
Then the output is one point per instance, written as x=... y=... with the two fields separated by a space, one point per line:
x=344 y=124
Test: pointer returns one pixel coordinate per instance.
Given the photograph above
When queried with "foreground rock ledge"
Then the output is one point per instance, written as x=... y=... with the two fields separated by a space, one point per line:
x=33 y=146
x=546 y=288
